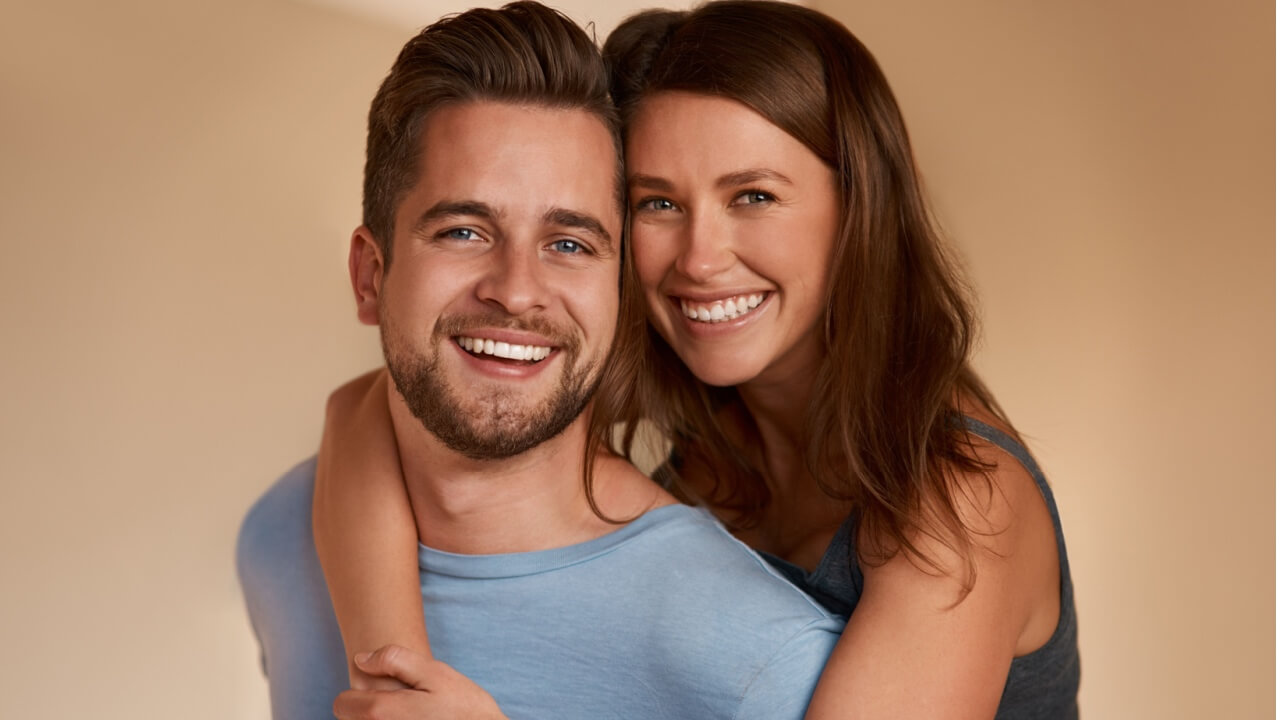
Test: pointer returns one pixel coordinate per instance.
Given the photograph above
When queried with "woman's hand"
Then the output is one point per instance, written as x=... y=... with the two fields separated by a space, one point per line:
x=435 y=690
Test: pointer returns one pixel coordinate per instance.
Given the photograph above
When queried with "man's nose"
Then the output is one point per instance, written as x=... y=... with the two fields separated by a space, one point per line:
x=706 y=248
x=516 y=281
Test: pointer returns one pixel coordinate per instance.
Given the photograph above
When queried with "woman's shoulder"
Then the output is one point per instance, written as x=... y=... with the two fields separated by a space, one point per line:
x=1008 y=490
x=1011 y=523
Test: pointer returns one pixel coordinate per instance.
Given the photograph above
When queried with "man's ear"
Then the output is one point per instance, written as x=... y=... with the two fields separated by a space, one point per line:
x=367 y=269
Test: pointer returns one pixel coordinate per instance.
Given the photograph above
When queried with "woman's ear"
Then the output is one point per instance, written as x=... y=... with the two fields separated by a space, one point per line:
x=367 y=268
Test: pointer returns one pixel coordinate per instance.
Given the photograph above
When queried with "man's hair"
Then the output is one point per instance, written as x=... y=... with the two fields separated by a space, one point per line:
x=524 y=53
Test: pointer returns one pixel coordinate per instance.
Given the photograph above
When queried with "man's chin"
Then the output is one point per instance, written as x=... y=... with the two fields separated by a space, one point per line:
x=499 y=438
x=494 y=423
x=491 y=418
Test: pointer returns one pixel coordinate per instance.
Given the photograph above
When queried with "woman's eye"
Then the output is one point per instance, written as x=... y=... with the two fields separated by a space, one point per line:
x=753 y=197
x=656 y=205
x=568 y=247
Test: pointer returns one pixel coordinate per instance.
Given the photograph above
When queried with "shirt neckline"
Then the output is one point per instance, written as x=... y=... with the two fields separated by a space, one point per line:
x=439 y=562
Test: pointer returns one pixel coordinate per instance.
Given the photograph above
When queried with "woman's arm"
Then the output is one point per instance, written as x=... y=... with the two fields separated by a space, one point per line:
x=364 y=528
x=911 y=650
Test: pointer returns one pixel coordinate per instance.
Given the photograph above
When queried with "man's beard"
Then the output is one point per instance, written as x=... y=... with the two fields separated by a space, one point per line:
x=488 y=424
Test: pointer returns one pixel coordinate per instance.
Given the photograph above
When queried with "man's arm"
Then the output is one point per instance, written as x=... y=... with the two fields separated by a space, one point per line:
x=288 y=605
x=782 y=688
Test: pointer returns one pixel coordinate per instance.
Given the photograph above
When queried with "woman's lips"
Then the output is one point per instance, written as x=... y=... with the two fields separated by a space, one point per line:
x=725 y=309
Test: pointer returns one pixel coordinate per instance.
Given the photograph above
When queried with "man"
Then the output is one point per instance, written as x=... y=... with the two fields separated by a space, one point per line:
x=490 y=259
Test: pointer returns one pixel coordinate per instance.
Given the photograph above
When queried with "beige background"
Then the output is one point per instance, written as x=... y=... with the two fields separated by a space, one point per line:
x=179 y=182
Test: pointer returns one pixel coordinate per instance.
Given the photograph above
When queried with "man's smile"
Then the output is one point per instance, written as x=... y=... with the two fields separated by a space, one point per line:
x=505 y=350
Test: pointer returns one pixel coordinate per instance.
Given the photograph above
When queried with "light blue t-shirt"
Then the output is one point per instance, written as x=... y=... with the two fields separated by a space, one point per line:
x=667 y=617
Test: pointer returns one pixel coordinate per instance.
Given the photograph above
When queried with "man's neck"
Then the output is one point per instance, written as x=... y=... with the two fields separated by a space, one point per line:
x=532 y=501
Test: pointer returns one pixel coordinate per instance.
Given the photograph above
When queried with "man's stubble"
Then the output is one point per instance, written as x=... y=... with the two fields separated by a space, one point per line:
x=487 y=424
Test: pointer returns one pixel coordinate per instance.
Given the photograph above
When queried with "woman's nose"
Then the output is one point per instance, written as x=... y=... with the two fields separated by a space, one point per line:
x=707 y=250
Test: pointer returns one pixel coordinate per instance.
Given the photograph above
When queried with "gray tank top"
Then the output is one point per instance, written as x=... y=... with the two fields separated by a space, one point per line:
x=1041 y=685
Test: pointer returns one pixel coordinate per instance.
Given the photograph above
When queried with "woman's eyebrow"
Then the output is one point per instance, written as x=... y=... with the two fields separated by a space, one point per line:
x=733 y=179
x=751 y=175
x=650 y=182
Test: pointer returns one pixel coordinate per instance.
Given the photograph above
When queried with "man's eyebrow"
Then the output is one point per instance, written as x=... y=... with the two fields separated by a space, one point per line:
x=650 y=182
x=582 y=221
x=751 y=175
x=455 y=208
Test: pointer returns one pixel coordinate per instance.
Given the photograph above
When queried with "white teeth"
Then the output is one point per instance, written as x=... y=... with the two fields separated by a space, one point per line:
x=721 y=310
x=481 y=346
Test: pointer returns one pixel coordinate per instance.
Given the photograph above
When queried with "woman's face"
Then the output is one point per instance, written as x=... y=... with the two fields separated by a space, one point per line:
x=733 y=227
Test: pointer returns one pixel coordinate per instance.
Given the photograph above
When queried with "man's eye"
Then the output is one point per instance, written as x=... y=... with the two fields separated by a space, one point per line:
x=753 y=197
x=655 y=204
x=460 y=234
x=569 y=247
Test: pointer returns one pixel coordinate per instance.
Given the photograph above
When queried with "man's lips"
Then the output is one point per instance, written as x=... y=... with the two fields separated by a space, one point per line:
x=526 y=352
x=508 y=344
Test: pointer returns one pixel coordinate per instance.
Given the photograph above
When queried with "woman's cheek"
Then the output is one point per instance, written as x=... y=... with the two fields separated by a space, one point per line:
x=651 y=258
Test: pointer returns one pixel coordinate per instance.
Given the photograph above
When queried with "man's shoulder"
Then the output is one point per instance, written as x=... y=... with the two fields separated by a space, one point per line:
x=742 y=636
x=288 y=603
x=697 y=548
x=277 y=527
x=698 y=581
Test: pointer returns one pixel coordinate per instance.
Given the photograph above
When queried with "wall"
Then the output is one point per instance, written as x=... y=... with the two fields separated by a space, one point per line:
x=1107 y=169
x=179 y=182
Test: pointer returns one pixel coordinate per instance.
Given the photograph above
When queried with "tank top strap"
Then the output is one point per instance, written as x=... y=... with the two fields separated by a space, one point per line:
x=1005 y=442
x=1011 y=445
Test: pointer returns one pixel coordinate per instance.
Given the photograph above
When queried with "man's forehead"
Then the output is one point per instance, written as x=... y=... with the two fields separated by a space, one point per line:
x=480 y=127
x=520 y=162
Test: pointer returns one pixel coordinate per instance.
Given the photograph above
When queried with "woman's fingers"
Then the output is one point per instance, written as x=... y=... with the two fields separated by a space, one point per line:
x=411 y=668
x=382 y=705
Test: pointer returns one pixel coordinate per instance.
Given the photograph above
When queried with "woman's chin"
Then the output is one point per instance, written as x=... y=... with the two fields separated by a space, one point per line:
x=719 y=371
x=720 y=364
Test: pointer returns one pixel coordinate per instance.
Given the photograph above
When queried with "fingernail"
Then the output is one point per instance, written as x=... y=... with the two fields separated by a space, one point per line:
x=362 y=658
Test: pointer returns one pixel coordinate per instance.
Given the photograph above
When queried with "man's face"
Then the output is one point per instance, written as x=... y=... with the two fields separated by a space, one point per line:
x=502 y=297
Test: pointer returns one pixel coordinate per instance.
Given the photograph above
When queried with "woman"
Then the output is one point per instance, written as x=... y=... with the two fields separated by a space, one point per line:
x=807 y=358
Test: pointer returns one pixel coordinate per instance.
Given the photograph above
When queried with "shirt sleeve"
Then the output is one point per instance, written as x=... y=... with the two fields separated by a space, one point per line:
x=288 y=603
x=783 y=687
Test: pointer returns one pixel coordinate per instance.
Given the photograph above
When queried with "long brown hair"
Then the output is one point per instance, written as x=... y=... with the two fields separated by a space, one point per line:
x=883 y=422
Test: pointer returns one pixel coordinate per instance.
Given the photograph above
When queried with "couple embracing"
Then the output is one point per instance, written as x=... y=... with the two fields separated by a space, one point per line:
x=846 y=523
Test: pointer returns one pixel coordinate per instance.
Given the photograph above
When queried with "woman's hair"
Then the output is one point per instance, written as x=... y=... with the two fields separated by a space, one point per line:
x=883 y=423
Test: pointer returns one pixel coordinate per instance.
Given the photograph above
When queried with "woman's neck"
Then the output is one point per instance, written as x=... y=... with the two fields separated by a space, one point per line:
x=801 y=518
x=778 y=402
